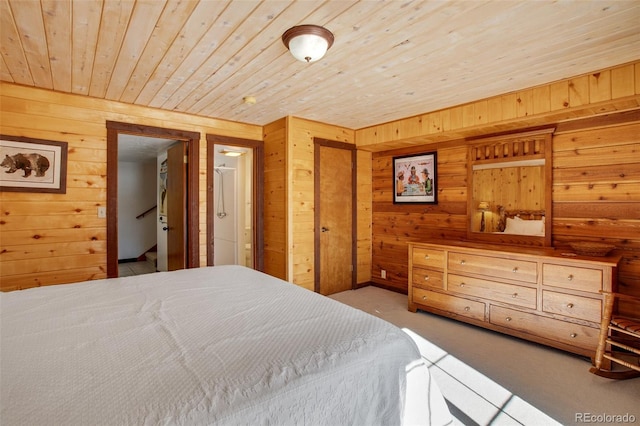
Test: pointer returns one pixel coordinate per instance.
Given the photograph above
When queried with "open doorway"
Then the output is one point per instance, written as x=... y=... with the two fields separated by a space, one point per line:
x=183 y=231
x=142 y=204
x=234 y=202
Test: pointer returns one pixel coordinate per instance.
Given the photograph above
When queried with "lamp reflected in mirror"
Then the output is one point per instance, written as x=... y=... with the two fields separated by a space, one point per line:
x=483 y=207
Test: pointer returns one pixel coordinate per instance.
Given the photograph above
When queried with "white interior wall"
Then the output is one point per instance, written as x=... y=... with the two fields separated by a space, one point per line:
x=136 y=194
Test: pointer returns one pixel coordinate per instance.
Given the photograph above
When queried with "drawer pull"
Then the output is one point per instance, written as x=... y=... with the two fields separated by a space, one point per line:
x=569 y=305
x=461 y=284
x=570 y=277
x=514 y=295
x=467 y=308
x=462 y=262
x=424 y=297
x=426 y=257
x=573 y=335
x=426 y=277
x=514 y=270
x=508 y=319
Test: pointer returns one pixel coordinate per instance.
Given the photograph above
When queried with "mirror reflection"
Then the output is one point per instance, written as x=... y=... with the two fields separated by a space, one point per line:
x=509 y=198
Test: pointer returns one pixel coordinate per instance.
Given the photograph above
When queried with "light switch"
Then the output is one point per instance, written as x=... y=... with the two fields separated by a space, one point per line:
x=102 y=212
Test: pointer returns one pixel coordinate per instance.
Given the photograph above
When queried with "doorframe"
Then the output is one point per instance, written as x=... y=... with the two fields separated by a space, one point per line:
x=317 y=143
x=192 y=141
x=258 y=191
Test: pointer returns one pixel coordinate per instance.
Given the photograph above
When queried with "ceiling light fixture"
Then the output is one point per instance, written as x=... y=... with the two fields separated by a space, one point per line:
x=308 y=43
x=231 y=153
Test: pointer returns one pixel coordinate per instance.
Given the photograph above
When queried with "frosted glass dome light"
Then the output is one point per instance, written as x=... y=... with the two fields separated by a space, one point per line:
x=308 y=43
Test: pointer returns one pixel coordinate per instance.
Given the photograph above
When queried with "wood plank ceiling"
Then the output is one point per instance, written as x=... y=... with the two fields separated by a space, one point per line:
x=390 y=59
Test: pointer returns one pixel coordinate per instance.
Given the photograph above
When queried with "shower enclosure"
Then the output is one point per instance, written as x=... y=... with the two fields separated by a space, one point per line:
x=233 y=209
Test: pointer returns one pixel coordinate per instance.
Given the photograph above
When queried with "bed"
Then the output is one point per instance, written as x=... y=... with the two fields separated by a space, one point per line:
x=220 y=345
x=521 y=222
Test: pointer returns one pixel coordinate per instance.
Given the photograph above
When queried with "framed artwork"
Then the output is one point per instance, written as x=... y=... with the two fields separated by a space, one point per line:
x=415 y=178
x=32 y=165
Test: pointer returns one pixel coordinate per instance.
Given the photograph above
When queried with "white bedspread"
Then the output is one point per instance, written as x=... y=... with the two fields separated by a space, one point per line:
x=217 y=345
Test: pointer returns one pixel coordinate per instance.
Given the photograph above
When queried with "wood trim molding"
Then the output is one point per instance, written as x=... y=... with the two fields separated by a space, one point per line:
x=192 y=140
x=258 y=194
x=555 y=102
x=112 y=202
x=605 y=120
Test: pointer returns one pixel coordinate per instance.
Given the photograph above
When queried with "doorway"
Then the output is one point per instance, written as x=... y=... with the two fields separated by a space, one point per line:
x=335 y=216
x=189 y=149
x=235 y=202
x=142 y=204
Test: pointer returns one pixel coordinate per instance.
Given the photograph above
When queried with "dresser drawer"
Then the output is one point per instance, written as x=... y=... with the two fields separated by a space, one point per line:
x=568 y=333
x=445 y=302
x=427 y=278
x=572 y=277
x=428 y=257
x=506 y=293
x=520 y=270
x=572 y=306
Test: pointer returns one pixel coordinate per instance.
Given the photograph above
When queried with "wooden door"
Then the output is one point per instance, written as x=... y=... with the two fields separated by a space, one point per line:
x=176 y=206
x=335 y=220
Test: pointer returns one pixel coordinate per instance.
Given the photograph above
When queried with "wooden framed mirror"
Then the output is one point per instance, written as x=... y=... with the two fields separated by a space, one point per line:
x=509 y=189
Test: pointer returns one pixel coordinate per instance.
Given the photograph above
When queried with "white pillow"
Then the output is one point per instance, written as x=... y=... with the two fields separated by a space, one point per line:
x=524 y=227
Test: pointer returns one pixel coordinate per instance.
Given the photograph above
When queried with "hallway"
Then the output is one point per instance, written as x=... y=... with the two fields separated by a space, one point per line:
x=128 y=269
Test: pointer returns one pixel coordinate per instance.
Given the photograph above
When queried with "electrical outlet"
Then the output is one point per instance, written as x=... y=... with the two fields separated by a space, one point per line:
x=383 y=274
x=102 y=212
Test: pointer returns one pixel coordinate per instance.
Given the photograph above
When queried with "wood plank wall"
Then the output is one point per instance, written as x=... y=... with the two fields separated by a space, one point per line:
x=31 y=256
x=275 y=199
x=300 y=168
x=596 y=178
x=365 y=218
x=596 y=197
x=395 y=225
x=289 y=200
x=58 y=238
x=596 y=193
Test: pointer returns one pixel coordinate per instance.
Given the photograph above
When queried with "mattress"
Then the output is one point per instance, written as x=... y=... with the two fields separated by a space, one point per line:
x=217 y=345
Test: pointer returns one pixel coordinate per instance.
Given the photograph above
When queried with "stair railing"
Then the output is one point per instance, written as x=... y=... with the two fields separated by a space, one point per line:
x=141 y=215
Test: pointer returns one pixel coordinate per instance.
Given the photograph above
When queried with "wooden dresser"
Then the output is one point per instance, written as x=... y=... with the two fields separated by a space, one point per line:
x=543 y=295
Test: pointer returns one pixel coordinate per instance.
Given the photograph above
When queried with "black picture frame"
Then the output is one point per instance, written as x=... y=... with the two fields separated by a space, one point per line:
x=32 y=165
x=411 y=185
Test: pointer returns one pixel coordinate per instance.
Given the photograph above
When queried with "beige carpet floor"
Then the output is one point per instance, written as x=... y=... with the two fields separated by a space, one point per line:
x=490 y=378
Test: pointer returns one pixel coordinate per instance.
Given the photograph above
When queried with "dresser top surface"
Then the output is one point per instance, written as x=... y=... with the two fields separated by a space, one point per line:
x=547 y=252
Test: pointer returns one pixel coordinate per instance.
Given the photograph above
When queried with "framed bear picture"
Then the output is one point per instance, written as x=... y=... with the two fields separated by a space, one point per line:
x=32 y=165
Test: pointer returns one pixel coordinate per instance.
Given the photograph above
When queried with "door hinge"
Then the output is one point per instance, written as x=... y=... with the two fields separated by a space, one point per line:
x=186 y=159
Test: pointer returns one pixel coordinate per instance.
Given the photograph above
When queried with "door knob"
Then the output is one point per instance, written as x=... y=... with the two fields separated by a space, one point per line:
x=324 y=229
x=164 y=228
